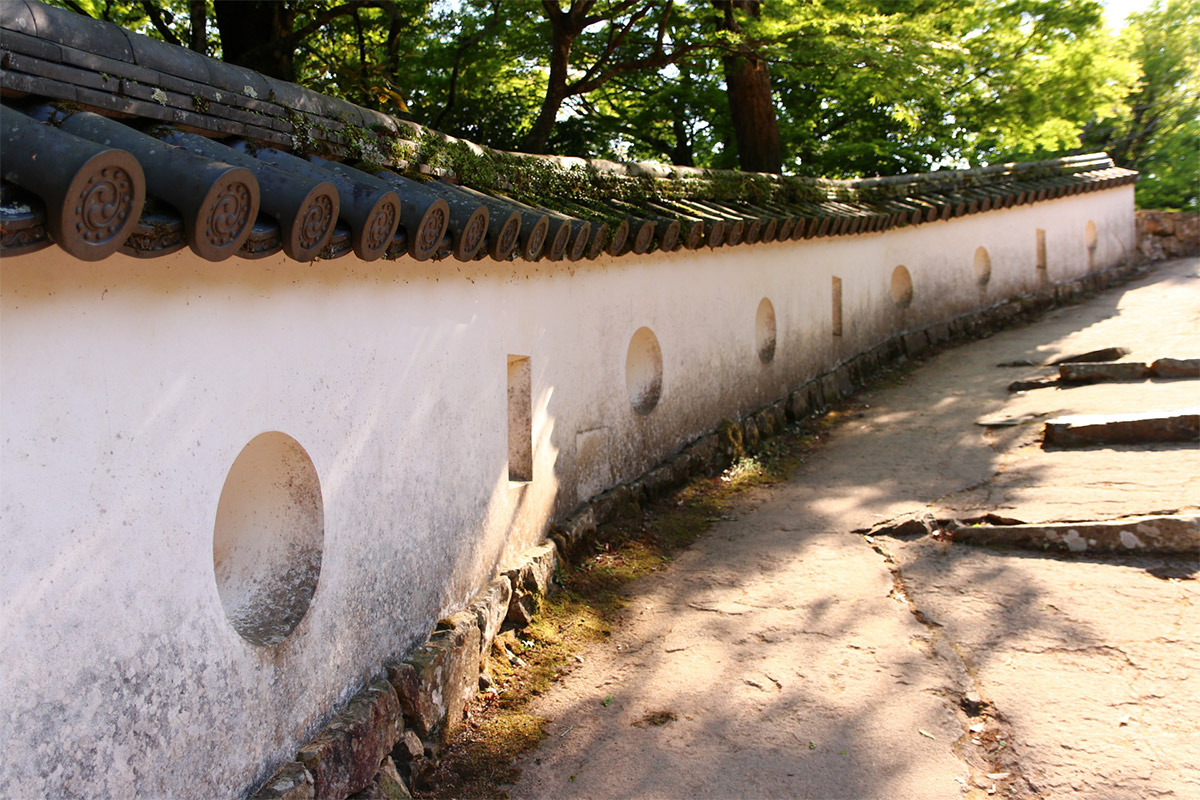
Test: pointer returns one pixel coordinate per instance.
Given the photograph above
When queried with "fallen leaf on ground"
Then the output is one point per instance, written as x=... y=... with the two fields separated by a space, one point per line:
x=925 y=733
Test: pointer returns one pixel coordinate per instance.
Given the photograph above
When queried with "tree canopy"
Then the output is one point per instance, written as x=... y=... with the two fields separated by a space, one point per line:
x=836 y=88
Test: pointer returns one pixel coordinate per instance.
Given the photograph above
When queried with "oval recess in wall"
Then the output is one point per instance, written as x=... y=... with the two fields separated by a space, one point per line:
x=268 y=538
x=983 y=266
x=764 y=331
x=643 y=371
x=902 y=287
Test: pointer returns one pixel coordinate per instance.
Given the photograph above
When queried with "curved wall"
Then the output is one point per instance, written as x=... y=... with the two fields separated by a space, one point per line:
x=130 y=387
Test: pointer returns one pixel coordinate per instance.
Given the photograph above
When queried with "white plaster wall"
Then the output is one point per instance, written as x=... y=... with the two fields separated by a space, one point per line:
x=129 y=387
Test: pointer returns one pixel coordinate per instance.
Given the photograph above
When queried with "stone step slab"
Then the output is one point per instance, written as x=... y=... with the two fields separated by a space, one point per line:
x=1170 y=535
x=1093 y=356
x=1087 y=430
x=1100 y=372
x=1176 y=368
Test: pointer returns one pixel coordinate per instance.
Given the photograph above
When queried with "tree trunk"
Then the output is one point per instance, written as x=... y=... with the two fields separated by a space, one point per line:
x=751 y=106
x=198 y=12
x=563 y=33
x=681 y=153
x=251 y=34
x=748 y=87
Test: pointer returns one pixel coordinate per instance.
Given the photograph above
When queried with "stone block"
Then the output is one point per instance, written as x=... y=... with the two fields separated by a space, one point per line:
x=895 y=348
x=531 y=580
x=372 y=792
x=1176 y=368
x=829 y=388
x=1151 y=534
x=1173 y=247
x=391 y=785
x=436 y=682
x=916 y=343
x=868 y=365
x=290 y=782
x=1151 y=248
x=703 y=453
x=407 y=750
x=1187 y=229
x=797 y=404
x=845 y=386
x=345 y=756
x=522 y=608
x=730 y=443
x=1065 y=293
x=1103 y=372
x=611 y=504
x=574 y=535
x=685 y=464
x=1093 y=356
x=765 y=421
x=535 y=569
x=750 y=435
x=1138 y=428
x=490 y=607
x=659 y=481
x=1155 y=223
x=816 y=396
x=778 y=413
x=543 y=560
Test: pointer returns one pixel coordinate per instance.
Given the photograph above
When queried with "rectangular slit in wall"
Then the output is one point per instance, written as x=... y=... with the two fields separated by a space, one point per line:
x=1041 y=249
x=520 y=419
x=837 y=306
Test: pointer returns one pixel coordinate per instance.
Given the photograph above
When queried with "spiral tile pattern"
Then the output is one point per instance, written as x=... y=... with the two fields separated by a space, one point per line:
x=430 y=234
x=579 y=246
x=472 y=236
x=229 y=215
x=317 y=220
x=381 y=226
x=508 y=237
x=103 y=205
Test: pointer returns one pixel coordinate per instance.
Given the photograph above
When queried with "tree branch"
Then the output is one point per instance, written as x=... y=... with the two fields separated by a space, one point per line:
x=614 y=41
x=156 y=18
x=318 y=22
x=467 y=43
x=584 y=85
x=78 y=9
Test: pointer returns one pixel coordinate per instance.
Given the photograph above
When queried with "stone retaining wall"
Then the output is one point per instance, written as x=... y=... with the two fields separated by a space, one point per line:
x=372 y=749
x=1167 y=234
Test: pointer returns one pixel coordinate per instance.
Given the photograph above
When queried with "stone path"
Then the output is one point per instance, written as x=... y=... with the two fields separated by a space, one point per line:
x=784 y=655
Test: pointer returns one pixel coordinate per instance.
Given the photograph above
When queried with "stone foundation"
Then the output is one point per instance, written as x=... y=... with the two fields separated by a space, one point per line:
x=374 y=746
x=1167 y=234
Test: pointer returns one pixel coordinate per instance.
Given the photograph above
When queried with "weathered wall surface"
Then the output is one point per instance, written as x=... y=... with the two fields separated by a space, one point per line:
x=129 y=389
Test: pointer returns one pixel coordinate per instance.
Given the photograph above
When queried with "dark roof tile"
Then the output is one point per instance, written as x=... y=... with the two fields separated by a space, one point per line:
x=32 y=84
x=83 y=33
x=110 y=66
x=48 y=54
x=169 y=59
x=24 y=43
x=16 y=15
